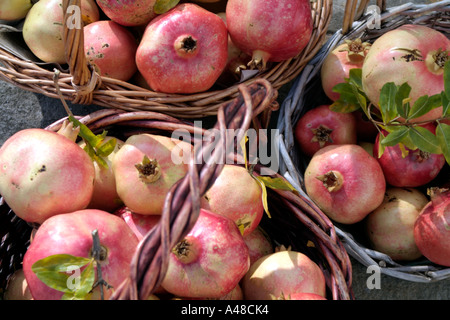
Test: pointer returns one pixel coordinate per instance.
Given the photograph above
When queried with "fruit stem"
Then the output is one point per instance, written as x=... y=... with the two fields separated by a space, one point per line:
x=332 y=180
x=259 y=60
x=149 y=170
x=98 y=253
x=186 y=250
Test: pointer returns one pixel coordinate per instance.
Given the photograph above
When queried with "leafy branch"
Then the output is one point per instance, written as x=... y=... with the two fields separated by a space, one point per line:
x=395 y=113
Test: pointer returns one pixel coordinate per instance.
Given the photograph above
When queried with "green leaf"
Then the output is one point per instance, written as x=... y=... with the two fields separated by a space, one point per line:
x=107 y=148
x=264 y=195
x=276 y=183
x=355 y=77
x=445 y=105
x=162 y=6
x=443 y=137
x=424 y=104
x=447 y=79
x=424 y=140
x=396 y=136
x=387 y=102
x=402 y=99
x=347 y=101
x=54 y=270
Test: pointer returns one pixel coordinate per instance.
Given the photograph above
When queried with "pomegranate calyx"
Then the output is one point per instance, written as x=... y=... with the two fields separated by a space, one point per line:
x=67 y=130
x=356 y=49
x=438 y=195
x=259 y=60
x=435 y=60
x=185 y=251
x=322 y=135
x=149 y=170
x=186 y=46
x=332 y=180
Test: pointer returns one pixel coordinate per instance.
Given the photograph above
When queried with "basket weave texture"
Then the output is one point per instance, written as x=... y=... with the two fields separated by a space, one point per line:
x=81 y=85
x=294 y=221
x=358 y=23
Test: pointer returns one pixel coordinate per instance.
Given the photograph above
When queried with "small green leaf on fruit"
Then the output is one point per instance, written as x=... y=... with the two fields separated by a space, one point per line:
x=395 y=136
x=162 y=6
x=425 y=140
x=447 y=79
x=443 y=137
x=264 y=196
x=402 y=99
x=424 y=104
x=276 y=183
x=387 y=102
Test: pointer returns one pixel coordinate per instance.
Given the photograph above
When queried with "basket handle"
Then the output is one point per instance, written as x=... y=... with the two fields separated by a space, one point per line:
x=84 y=77
x=354 y=12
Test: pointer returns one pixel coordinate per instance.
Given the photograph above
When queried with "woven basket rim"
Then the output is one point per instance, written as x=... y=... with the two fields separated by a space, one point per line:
x=421 y=271
x=112 y=93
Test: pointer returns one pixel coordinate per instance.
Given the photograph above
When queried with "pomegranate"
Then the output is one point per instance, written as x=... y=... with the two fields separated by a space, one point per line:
x=40 y=170
x=305 y=296
x=17 y=287
x=269 y=30
x=236 y=195
x=366 y=130
x=390 y=227
x=321 y=126
x=128 y=12
x=411 y=53
x=282 y=274
x=14 y=10
x=71 y=233
x=431 y=231
x=144 y=171
x=43 y=28
x=139 y=223
x=183 y=50
x=337 y=64
x=210 y=261
x=258 y=244
x=111 y=48
x=415 y=169
x=345 y=181
x=104 y=195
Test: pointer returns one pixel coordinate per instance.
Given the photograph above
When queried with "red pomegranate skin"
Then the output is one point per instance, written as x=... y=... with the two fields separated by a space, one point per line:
x=184 y=50
x=361 y=191
x=432 y=230
x=414 y=170
x=128 y=12
x=342 y=126
x=277 y=30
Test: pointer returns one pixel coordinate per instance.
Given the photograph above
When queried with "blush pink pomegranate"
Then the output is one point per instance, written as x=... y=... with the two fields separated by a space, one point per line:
x=338 y=63
x=111 y=48
x=345 y=181
x=140 y=224
x=210 y=261
x=282 y=274
x=128 y=12
x=415 y=169
x=431 y=230
x=269 y=30
x=259 y=244
x=71 y=233
x=183 y=50
x=411 y=53
x=321 y=126
x=144 y=169
x=236 y=195
x=40 y=170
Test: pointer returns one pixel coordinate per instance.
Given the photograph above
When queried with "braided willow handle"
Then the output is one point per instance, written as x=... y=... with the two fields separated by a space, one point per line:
x=84 y=78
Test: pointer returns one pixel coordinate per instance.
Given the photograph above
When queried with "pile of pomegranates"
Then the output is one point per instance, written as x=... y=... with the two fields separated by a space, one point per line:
x=378 y=153
x=172 y=46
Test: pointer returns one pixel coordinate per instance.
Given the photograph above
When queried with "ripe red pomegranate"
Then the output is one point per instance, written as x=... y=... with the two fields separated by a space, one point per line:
x=71 y=233
x=236 y=195
x=282 y=274
x=321 y=126
x=258 y=244
x=431 y=230
x=139 y=223
x=144 y=169
x=111 y=48
x=345 y=181
x=40 y=171
x=337 y=64
x=411 y=53
x=210 y=261
x=416 y=169
x=183 y=50
x=390 y=227
x=128 y=13
x=269 y=30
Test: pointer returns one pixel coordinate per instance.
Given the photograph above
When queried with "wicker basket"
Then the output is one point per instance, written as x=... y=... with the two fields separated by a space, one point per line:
x=80 y=85
x=307 y=93
x=294 y=222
